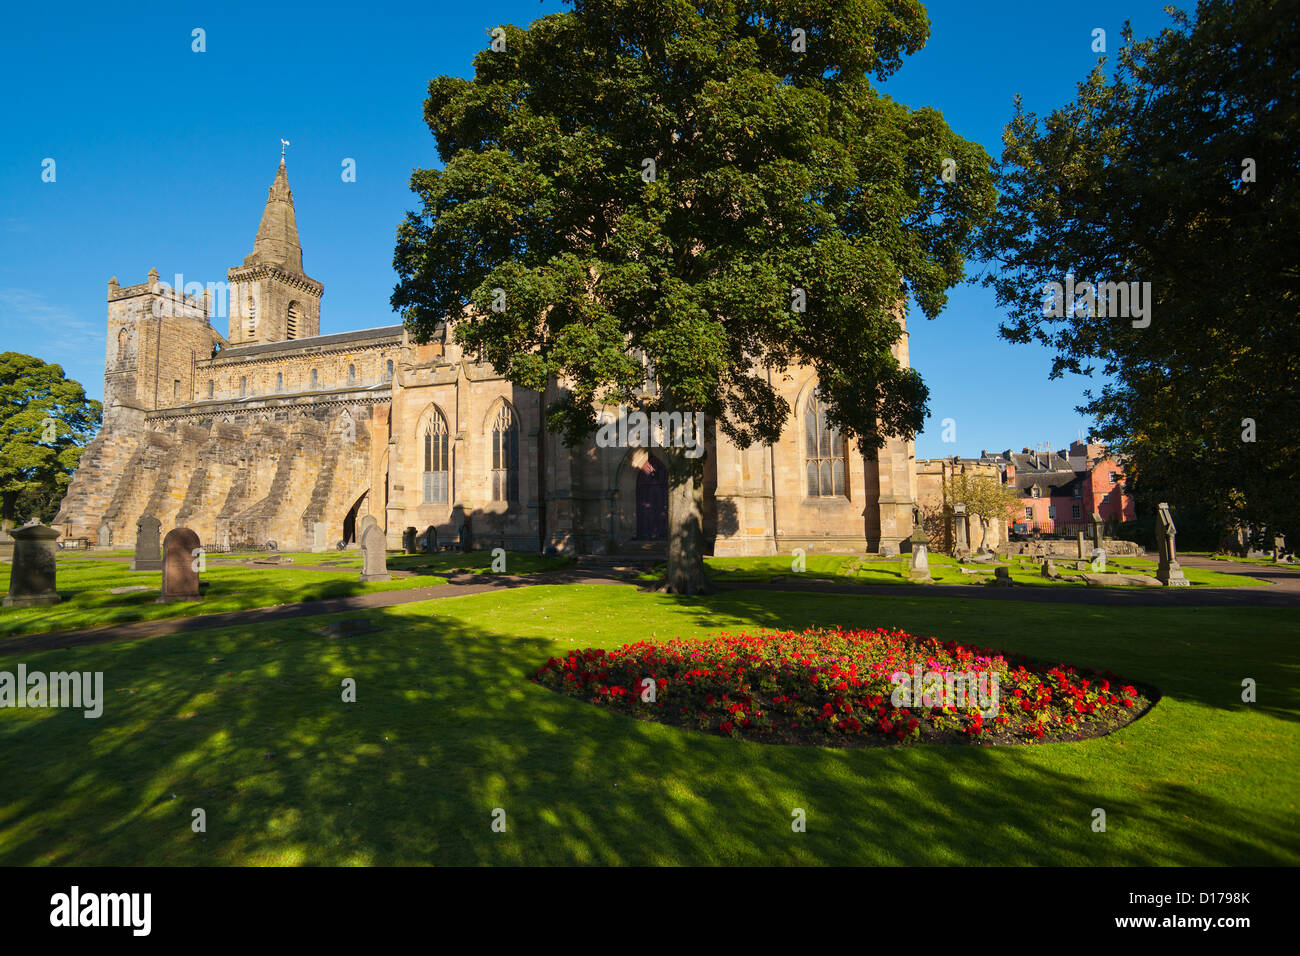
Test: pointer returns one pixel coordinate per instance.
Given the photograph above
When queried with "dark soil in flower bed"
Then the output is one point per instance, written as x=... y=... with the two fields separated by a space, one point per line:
x=832 y=687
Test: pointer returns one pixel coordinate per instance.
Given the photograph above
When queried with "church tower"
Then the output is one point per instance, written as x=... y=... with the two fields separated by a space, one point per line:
x=271 y=298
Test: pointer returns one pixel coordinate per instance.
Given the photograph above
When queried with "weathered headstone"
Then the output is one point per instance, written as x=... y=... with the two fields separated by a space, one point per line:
x=374 y=551
x=31 y=578
x=1082 y=546
x=1169 y=572
x=1096 y=529
x=919 y=567
x=408 y=541
x=146 y=545
x=430 y=539
x=466 y=537
x=320 y=538
x=180 y=566
x=1002 y=577
x=961 y=544
x=1049 y=569
x=105 y=537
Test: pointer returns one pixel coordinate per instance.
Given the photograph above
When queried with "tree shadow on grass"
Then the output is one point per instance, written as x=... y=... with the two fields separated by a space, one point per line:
x=249 y=726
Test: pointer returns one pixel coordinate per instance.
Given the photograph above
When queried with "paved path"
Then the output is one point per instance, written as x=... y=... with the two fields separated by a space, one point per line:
x=1283 y=592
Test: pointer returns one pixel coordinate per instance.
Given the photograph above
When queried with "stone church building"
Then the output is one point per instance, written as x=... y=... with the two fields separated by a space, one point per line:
x=272 y=432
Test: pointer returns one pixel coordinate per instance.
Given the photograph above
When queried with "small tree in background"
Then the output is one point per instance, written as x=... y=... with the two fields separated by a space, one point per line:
x=45 y=421
x=984 y=497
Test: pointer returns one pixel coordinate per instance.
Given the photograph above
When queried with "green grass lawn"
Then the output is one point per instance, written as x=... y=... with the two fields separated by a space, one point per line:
x=85 y=587
x=247 y=723
x=872 y=569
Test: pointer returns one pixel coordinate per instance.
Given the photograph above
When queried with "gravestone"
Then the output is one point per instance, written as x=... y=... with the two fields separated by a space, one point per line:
x=408 y=541
x=430 y=539
x=919 y=567
x=960 y=544
x=1169 y=572
x=6 y=546
x=466 y=538
x=1082 y=552
x=31 y=578
x=1049 y=569
x=180 y=566
x=1096 y=529
x=105 y=537
x=1001 y=577
x=146 y=545
x=320 y=538
x=374 y=553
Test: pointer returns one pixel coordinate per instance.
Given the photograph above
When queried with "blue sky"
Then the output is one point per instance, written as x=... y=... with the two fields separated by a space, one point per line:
x=164 y=155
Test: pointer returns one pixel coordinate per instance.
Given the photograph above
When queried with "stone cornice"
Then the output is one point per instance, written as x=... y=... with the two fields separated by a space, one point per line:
x=252 y=272
x=216 y=408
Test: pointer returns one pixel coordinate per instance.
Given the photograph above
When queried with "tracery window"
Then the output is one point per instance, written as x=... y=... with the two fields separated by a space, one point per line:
x=437 y=476
x=505 y=456
x=823 y=452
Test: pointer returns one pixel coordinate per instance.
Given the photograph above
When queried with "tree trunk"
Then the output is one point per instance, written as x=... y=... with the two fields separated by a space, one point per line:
x=685 y=525
x=7 y=502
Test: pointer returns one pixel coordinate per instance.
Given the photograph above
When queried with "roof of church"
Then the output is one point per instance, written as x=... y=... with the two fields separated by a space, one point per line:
x=313 y=342
x=277 y=236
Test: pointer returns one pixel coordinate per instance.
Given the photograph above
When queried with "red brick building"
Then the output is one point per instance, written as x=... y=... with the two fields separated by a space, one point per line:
x=1061 y=490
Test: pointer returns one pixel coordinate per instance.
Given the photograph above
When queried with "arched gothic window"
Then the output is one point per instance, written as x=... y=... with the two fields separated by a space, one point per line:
x=823 y=452
x=437 y=475
x=505 y=456
x=121 y=346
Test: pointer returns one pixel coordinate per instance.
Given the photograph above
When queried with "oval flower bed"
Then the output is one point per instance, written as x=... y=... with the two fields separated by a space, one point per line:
x=842 y=687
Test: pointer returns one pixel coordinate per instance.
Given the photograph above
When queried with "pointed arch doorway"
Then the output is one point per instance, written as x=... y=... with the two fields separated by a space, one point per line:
x=652 y=500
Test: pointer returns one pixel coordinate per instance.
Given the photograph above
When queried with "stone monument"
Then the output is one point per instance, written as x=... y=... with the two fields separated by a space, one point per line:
x=1169 y=572
x=146 y=545
x=919 y=567
x=374 y=551
x=961 y=544
x=408 y=541
x=180 y=566
x=320 y=538
x=105 y=537
x=466 y=538
x=31 y=578
x=1096 y=529
x=430 y=539
x=1082 y=546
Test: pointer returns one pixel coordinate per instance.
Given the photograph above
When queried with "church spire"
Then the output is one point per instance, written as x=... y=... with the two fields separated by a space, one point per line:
x=277 y=235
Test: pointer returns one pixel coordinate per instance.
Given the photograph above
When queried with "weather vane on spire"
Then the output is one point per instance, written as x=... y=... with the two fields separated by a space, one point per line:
x=283 y=143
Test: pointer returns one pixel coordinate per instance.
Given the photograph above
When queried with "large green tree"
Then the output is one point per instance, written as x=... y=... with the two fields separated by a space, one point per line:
x=1178 y=168
x=45 y=421
x=715 y=190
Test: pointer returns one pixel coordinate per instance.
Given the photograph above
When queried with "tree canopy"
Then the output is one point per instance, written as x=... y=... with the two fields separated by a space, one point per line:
x=1177 y=169
x=714 y=190
x=45 y=420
